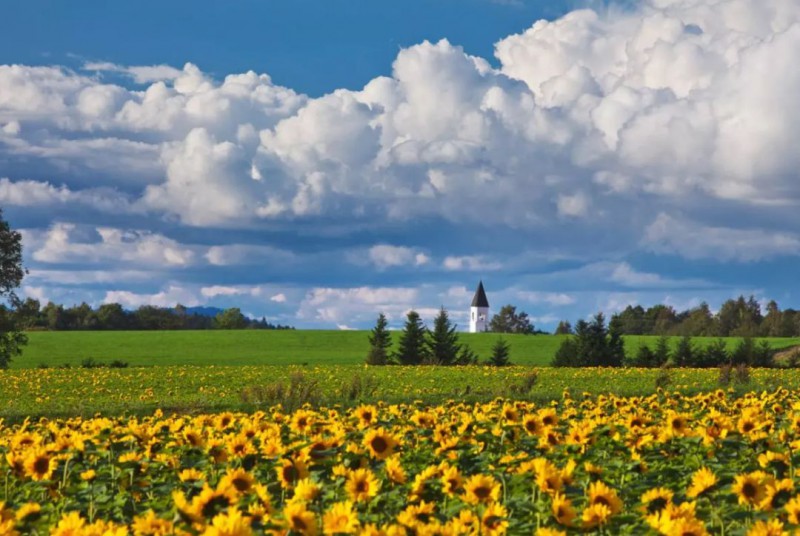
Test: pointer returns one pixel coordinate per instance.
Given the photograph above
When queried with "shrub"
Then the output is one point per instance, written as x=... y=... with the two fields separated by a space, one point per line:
x=299 y=391
x=742 y=374
x=526 y=384
x=359 y=387
x=725 y=373
x=664 y=377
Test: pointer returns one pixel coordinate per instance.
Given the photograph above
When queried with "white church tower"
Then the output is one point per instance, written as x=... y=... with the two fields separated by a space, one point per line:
x=479 y=312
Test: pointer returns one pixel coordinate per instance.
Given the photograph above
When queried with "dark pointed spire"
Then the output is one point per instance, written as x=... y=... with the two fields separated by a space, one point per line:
x=479 y=300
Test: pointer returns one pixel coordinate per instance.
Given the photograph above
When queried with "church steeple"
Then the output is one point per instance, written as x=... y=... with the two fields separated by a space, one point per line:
x=479 y=300
x=479 y=311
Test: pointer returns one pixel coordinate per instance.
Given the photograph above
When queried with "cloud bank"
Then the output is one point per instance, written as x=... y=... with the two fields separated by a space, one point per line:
x=668 y=129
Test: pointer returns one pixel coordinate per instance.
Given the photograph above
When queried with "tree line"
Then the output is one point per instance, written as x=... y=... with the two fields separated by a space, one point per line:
x=419 y=345
x=593 y=344
x=29 y=315
x=738 y=317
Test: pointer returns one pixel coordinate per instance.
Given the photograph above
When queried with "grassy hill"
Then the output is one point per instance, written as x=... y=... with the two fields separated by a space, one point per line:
x=247 y=347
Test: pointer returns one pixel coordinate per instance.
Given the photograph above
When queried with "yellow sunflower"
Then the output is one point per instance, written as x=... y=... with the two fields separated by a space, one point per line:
x=380 y=443
x=237 y=479
x=546 y=531
x=563 y=510
x=291 y=471
x=28 y=512
x=793 y=510
x=394 y=470
x=595 y=515
x=776 y=494
x=767 y=528
x=341 y=518
x=70 y=524
x=40 y=464
x=750 y=488
x=494 y=520
x=366 y=414
x=702 y=480
x=300 y=520
x=149 y=524
x=599 y=493
x=656 y=499
x=451 y=481
x=306 y=490
x=361 y=485
x=230 y=523
x=481 y=489
x=416 y=514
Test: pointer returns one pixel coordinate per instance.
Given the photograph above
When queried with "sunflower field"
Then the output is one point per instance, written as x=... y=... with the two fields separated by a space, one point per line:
x=187 y=388
x=666 y=463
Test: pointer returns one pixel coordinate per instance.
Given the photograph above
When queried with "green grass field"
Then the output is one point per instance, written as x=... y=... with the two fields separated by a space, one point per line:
x=246 y=347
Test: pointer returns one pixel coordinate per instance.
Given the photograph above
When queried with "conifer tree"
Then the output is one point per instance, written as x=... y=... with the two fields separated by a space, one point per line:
x=685 y=354
x=662 y=353
x=644 y=357
x=411 y=348
x=380 y=340
x=500 y=354
x=442 y=343
x=466 y=356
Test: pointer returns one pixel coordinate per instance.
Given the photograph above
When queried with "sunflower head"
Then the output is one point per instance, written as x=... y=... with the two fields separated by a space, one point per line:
x=40 y=464
x=600 y=494
x=750 y=488
x=298 y=519
x=702 y=480
x=481 y=489
x=341 y=518
x=380 y=443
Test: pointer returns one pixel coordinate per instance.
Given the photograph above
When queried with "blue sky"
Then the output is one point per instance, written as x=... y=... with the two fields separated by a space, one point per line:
x=319 y=162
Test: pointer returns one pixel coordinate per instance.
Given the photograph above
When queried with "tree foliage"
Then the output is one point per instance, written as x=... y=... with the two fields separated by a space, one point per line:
x=593 y=345
x=380 y=340
x=508 y=320
x=564 y=328
x=740 y=317
x=442 y=342
x=12 y=339
x=113 y=316
x=501 y=353
x=230 y=319
x=411 y=349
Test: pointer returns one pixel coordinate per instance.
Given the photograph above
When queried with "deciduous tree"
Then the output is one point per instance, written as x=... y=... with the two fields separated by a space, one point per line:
x=12 y=339
x=508 y=320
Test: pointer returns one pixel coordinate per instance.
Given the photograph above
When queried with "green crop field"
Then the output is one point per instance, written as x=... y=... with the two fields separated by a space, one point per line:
x=250 y=347
x=69 y=392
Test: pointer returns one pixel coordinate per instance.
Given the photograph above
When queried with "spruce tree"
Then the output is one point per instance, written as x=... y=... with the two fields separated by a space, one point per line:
x=645 y=357
x=685 y=354
x=715 y=354
x=380 y=340
x=466 y=356
x=500 y=354
x=662 y=353
x=567 y=354
x=411 y=348
x=442 y=343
